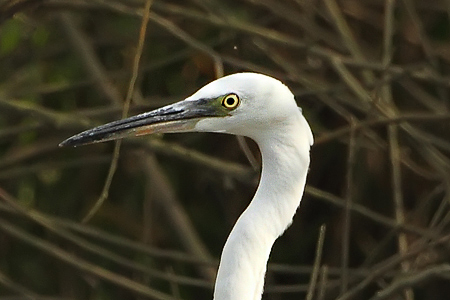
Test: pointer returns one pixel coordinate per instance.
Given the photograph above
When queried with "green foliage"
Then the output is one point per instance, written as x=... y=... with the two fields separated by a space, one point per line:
x=40 y=36
x=11 y=34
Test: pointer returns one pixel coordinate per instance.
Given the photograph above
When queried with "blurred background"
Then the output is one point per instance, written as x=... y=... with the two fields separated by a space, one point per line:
x=371 y=77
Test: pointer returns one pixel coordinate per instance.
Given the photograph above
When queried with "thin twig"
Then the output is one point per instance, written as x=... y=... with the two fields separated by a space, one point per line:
x=17 y=288
x=81 y=264
x=408 y=281
x=323 y=283
x=165 y=197
x=248 y=153
x=347 y=212
x=390 y=263
x=89 y=247
x=114 y=161
x=91 y=62
x=398 y=199
x=371 y=215
x=348 y=37
x=316 y=265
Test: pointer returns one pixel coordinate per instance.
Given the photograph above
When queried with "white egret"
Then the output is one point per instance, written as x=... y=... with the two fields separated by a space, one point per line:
x=259 y=107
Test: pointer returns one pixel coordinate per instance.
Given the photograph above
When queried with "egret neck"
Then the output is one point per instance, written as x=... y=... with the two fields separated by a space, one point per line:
x=285 y=161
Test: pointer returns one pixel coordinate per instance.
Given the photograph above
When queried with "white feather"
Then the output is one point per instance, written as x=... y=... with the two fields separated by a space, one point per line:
x=268 y=114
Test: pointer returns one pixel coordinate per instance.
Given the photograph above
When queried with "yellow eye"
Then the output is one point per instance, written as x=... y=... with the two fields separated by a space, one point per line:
x=231 y=101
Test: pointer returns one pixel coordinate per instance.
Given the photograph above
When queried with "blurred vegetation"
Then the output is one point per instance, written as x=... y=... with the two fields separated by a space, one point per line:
x=371 y=77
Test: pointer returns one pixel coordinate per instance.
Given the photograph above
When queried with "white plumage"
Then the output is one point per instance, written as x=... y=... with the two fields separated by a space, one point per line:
x=266 y=112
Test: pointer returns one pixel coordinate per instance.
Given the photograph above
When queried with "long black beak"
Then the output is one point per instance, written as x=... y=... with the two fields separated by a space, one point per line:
x=179 y=117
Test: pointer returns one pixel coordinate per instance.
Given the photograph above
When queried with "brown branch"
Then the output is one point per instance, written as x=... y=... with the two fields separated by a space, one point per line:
x=91 y=62
x=81 y=264
x=317 y=262
x=408 y=281
x=114 y=161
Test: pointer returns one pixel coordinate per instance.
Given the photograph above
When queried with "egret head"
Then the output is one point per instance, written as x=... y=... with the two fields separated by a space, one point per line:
x=242 y=104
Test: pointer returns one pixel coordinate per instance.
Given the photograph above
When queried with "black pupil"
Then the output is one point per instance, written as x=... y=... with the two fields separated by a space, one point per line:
x=230 y=101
